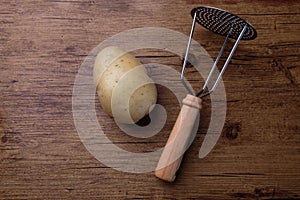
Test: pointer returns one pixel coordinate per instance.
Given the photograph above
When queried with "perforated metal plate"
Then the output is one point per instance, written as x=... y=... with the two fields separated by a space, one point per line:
x=221 y=22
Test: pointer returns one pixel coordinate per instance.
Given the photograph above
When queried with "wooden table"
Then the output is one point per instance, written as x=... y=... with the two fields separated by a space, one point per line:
x=42 y=45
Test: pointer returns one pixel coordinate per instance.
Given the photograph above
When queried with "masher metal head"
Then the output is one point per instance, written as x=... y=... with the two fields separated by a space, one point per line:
x=223 y=23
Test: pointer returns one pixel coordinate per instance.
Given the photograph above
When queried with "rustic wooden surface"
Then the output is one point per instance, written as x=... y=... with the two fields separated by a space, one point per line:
x=42 y=45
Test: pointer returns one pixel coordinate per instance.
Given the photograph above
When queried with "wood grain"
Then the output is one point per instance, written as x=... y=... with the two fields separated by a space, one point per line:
x=42 y=45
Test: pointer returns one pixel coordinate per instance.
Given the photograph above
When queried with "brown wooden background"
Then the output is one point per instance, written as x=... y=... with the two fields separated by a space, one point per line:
x=42 y=45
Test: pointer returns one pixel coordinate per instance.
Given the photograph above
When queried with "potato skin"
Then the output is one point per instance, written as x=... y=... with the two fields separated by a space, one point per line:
x=104 y=59
x=124 y=89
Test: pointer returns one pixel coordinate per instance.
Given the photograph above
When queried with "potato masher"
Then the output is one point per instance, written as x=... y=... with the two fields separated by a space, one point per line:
x=223 y=23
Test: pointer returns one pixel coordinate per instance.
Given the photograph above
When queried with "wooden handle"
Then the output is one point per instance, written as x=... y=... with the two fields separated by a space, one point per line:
x=179 y=140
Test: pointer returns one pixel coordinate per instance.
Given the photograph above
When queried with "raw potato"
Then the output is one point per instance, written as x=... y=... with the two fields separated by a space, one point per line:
x=124 y=89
